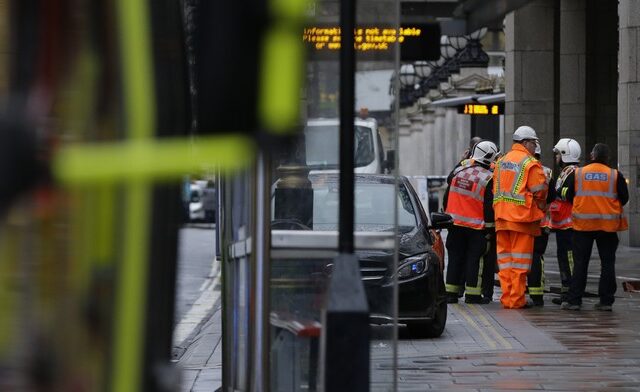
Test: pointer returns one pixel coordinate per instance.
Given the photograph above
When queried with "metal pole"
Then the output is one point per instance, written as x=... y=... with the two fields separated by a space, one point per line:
x=347 y=99
x=261 y=257
x=345 y=320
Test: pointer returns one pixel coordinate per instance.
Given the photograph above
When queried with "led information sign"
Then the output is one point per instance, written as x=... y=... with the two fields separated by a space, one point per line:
x=476 y=109
x=417 y=42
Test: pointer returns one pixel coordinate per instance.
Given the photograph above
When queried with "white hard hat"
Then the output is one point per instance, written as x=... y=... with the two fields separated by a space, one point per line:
x=484 y=152
x=569 y=150
x=524 y=132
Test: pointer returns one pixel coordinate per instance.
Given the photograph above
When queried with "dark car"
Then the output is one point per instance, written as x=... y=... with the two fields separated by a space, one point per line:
x=422 y=303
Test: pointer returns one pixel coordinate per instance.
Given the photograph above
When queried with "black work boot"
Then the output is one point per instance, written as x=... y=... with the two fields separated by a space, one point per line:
x=559 y=300
x=452 y=298
x=476 y=299
x=538 y=300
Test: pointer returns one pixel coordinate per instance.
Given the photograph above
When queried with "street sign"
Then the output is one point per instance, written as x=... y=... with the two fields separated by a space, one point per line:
x=476 y=109
x=418 y=42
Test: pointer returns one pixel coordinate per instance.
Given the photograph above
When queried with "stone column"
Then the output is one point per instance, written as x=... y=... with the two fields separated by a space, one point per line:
x=529 y=72
x=454 y=135
x=417 y=147
x=440 y=142
x=463 y=125
x=423 y=142
x=404 y=145
x=629 y=112
x=431 y=151
x=573 y=53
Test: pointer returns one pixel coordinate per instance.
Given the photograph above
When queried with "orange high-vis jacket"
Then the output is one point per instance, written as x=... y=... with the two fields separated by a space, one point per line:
x=465 y=202
x=595 y=205
x=561 y=209
x=513 y=189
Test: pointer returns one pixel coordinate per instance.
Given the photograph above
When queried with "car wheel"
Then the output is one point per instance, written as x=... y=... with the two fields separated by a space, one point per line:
x=431 y=329
x=435 y=327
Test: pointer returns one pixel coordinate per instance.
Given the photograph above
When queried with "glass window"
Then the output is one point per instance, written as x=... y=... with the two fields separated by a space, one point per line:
x=322 y=146
x=373 y=208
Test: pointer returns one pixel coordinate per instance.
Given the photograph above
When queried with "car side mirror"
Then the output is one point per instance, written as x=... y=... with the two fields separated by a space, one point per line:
x=440 y=220
x=390 y=161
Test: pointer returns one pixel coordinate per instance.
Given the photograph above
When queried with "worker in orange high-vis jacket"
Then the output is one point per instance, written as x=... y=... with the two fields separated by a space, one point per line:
x=567 y=155
x=535 y=279
x=519 y=193
x=598 y=193
x=468 y=200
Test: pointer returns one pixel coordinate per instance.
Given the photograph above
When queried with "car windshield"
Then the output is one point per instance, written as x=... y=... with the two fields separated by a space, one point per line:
x=322 y=146
x=373 y=207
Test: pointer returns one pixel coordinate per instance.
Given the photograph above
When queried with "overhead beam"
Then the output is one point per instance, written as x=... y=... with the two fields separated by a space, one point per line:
x=486 y=13
x=421 y=11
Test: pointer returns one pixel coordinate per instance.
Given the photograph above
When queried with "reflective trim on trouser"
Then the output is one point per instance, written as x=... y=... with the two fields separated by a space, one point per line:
x=504 y=255
x=570 y=257
x=452 y=288
x=513 y=270
x=508 y=265
x=472 y=290
x=536 y=290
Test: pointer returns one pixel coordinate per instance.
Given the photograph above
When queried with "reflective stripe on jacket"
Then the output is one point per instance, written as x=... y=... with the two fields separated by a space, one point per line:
x=466 y=196
x=512 y=199
x=559 y=209
x=595 y=205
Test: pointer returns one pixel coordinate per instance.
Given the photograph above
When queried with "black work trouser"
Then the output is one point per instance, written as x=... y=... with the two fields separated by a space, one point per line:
x=489 y=261
x=564 y=239
x=535 y=278
x=607 y=244
x=465 y=247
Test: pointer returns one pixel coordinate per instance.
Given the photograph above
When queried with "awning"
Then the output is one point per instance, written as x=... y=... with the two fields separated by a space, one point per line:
x=477 y=98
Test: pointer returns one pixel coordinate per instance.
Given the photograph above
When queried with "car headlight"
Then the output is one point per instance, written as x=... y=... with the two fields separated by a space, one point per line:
x=412 y=267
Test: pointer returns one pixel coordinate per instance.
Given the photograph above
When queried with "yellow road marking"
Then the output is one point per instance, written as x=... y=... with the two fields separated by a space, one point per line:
x=470 y=320
x=505 y=343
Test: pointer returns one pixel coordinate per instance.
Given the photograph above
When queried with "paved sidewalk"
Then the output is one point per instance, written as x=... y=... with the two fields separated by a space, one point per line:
x=201 y=356
x=488 y=348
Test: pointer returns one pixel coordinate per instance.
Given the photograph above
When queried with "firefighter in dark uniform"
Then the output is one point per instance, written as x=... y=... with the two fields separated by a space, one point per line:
x=535 y=279
x=567 y=154
x=468 y=200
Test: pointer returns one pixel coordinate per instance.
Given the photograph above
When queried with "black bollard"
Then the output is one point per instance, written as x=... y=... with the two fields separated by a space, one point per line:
x=345 y=329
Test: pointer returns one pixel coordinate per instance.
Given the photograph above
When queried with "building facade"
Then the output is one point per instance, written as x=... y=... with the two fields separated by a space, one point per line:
x=571 y=70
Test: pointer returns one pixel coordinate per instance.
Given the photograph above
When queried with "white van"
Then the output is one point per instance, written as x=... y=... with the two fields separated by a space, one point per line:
x=322 y=145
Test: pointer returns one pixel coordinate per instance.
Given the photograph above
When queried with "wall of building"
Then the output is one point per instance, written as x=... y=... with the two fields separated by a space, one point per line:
x=431 y=140
x=602 y=75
